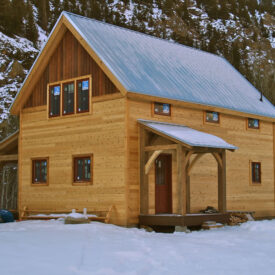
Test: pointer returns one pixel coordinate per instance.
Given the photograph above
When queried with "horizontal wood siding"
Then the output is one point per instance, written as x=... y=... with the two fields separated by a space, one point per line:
x=101 y=134
x=70 y=60
x=255 y=145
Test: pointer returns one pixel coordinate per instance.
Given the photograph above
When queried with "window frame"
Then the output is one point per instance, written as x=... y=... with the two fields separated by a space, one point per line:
x=252 y=128
x=74 y=167
x=60 y=99
x=159 y=113
x=76 y=84
x=212 y=122
x=63 y=84
x=252 y=173
x=39 y=183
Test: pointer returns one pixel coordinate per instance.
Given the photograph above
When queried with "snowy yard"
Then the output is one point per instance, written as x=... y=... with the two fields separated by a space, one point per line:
x=50 y=247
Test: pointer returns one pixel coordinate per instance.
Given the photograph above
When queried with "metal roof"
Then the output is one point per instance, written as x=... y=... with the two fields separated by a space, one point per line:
x=187 y=135
x=161 y=68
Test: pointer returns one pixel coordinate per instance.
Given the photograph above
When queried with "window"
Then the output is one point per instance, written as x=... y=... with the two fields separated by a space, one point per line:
x=82 y=169
x=83 y=95
x=162 y=109
x=40 y=171
x=256 y=172
x=212 y=117
x=54 y=101
x=68 y=98
x=253 y=123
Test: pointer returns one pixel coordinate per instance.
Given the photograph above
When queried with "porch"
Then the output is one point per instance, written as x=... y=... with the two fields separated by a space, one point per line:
x=158 y=139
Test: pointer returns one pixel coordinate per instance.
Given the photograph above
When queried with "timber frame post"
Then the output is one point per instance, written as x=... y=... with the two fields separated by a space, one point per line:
x=222 y=183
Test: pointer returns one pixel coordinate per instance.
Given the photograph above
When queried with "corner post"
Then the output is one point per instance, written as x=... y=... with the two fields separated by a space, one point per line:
x=144 y=188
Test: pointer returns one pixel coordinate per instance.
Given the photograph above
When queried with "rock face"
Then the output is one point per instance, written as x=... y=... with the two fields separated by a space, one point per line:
x=16 y=70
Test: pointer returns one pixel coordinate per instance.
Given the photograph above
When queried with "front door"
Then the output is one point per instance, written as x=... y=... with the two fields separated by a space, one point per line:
x=163 y=190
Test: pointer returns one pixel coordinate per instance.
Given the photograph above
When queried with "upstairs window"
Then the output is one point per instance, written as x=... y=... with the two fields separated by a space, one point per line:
x=83 y=95
x=256 y=172
x=39 y=171
x=162 y=109
x=68 y=98
x=54 y=101
x=212 y=117
x=82 y=169
x=253 y=123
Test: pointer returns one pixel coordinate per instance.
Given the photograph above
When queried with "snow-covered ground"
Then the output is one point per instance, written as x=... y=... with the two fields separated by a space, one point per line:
x=50 y=247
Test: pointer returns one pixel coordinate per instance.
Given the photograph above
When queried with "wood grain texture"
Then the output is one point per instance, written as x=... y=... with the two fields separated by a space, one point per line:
x=70 y=60
x=101 y=134
x=240 y=195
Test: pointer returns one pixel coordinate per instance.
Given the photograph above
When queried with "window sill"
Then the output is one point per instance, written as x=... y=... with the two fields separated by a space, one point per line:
x=40 y=184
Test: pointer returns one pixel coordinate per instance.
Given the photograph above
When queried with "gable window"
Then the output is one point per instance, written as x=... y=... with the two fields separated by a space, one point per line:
x=68 y=98
x=54 y=100
x=213 y=117
x=162 y=109
x=256 y=172
x=83 y=95
x=40 y=171
x=253 y=123
x=82 y=169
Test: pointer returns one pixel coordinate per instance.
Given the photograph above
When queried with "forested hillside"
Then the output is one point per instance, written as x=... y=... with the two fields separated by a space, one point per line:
x=243 y=31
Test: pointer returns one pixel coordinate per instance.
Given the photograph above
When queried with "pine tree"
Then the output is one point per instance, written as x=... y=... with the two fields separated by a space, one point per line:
x=30 y=27
x=5 y=17
x=43 y=9
x=16 y=12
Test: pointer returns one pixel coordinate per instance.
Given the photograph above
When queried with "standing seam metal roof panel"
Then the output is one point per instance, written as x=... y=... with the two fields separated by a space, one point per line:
x=161 y=68
x=188 y=135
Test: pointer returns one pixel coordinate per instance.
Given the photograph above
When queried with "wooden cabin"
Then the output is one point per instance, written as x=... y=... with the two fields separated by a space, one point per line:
x=109 y=116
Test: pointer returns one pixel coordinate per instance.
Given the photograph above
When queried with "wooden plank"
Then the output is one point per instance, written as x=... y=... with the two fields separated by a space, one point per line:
x=161 y=147
x=196 y=159
x=218 y=158
x=222 y=184
x=188 y=194
x=8 y=157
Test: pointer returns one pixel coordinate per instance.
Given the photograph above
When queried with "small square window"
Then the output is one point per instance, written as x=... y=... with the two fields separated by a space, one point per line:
x=40 y=171
x=256 y=172
x=162 y=109
x=83 y=169
x=212 y=117
x=253 y=123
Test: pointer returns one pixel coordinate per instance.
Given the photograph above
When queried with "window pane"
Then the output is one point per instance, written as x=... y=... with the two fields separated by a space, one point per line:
x=68 y=98
x=55 y=101
x=40 y=171
x=79 y=175
x=253 y=123
x=82 y=169
x=83 y=96
x=162 y=108
x=37 y=171
x=43 y=171
x=256 y=172
x=212 y=117
x=87 y=172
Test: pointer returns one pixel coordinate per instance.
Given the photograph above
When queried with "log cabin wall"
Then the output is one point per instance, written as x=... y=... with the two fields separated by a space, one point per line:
x=254 y=145
x=70 y=60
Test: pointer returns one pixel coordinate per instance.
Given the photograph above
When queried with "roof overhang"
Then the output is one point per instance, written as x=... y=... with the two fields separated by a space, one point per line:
x=39 y=65
x=188 y=137
x=9 y=143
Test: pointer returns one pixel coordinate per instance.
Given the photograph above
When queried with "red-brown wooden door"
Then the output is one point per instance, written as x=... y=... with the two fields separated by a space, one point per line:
x=163 y=189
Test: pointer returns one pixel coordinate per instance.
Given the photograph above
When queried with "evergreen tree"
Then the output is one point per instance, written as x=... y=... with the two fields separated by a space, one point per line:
x=43 y=9
x=30 y=27
x=5 y=17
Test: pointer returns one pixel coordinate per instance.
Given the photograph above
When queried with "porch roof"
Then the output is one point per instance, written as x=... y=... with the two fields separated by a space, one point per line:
x=186 y=135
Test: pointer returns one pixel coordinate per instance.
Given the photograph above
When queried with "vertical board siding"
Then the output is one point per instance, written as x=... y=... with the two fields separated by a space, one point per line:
x=68 y=61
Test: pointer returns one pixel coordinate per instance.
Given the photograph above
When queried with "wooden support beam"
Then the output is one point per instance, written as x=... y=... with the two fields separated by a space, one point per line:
x=218 y=158
x=144 y=188
x=4 y=158
x=222 y=184
x=187 y=157
x=181 y=181
x=190 y=167
x=188 y=196
x=161 y=147
x=151 y=160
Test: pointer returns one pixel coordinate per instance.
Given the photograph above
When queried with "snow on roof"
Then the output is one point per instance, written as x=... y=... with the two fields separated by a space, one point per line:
x=161 y=68
x=188 y=135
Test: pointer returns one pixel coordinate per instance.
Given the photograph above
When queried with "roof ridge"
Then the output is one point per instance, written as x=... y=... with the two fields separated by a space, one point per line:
x=143 y=34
